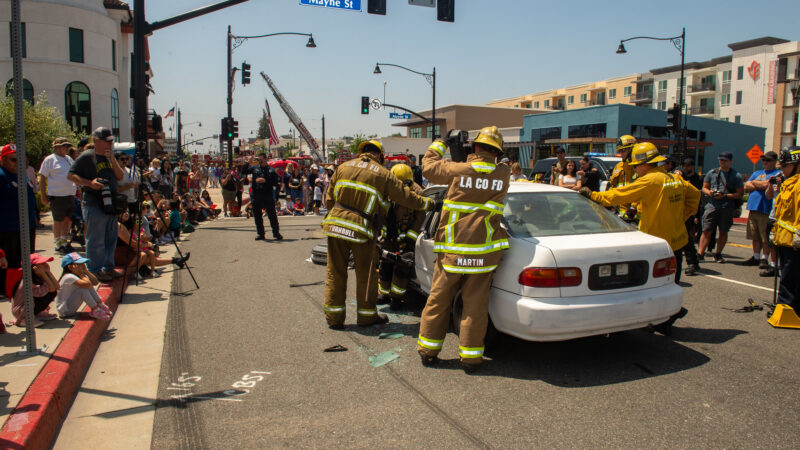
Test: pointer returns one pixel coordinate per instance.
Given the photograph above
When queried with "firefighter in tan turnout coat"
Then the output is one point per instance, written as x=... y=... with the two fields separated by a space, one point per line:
x=357 y=200
x=469 y=244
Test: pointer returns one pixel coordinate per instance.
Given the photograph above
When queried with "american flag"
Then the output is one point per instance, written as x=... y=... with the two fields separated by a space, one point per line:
x=273 y=135
x=170 y=113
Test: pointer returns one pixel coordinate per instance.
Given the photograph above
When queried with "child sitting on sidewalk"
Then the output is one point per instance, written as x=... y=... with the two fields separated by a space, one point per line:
x=44 y=291
x=77 y=287
x=298 y=209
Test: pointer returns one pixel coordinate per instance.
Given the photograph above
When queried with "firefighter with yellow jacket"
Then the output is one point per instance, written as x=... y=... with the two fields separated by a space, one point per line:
x=623 y=174
x=665 y=200
x=787 y=226
x=399 y=238
x=469 y=244
x=357 y=200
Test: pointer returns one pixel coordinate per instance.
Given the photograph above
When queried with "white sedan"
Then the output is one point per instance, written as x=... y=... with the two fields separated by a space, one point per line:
x=573 y=270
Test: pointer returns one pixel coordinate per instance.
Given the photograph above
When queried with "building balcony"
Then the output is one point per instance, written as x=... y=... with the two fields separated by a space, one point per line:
x=596 y=102
x=701 y=88
x=703 y=110
x=642 y=97
x=556 y=107
x=790 y=130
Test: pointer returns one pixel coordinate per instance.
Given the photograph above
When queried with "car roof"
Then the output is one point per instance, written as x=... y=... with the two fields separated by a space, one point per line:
x=514 y=187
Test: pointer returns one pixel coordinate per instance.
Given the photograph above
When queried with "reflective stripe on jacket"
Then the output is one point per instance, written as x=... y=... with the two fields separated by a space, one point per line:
x=787 y=204
x=469 y=237
x=362 y=184
x=665 y=202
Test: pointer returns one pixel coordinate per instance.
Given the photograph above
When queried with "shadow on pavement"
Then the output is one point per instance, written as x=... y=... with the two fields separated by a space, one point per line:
x=704 y=335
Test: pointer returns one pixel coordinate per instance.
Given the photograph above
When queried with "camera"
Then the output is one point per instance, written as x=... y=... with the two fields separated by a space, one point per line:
x=105 y=193
x=458 y=143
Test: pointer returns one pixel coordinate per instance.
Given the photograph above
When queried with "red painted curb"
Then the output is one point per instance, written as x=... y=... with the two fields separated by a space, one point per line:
x=34 y=422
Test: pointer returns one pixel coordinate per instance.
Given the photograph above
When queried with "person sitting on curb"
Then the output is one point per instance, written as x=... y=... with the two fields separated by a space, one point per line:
x=77 y=287
x=148 y=261
x=44 y=291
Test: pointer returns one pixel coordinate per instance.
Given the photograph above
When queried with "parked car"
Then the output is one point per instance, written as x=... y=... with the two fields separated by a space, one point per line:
x=573 y=268
x=604 y=164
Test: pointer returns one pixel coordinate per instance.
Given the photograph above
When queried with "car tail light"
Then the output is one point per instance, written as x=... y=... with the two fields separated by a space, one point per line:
x=664 y=267
x=544 y=277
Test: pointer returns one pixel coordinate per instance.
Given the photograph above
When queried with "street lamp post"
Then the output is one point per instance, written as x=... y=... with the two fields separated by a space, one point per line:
x=234 y=42
x=680 y=43
x=430 y=78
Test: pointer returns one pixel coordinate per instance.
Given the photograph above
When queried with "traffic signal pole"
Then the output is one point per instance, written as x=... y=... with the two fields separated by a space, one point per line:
x=229 y=75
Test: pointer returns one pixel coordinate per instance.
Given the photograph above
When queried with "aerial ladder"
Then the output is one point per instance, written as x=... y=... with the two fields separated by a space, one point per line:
x=295 y=119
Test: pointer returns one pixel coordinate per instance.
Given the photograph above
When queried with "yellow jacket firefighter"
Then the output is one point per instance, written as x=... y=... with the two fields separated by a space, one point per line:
x=622 y=174
x=469 y=238
x=408 y=221
x=787 y=205
x=665 y=202
x=361 y=189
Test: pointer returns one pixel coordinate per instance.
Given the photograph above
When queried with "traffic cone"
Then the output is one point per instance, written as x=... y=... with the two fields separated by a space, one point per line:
x=784 y=317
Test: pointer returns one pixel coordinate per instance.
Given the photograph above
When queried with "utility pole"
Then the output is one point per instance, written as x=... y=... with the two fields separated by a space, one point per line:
x=180 y=141
x=324 y=153
x=229 y=75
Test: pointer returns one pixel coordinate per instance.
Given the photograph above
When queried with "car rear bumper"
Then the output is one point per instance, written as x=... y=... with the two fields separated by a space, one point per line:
x=557 y=319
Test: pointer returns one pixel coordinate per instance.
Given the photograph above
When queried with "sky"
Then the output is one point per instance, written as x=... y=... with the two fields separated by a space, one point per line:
x=494 y=49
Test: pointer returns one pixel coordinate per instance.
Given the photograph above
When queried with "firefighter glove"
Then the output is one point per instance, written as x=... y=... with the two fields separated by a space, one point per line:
x=586 y=192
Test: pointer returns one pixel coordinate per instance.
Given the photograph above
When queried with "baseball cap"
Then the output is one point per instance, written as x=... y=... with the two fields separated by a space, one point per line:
x=770 y=155
x=73 y=258
x=560 y=150
x=103 y=134
x=7 y=150
x=727 y=156
x=39 y=259
x=59 y=141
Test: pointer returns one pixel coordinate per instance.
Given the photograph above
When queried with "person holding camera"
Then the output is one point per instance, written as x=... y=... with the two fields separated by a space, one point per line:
x=723 y=186
x=785 y=190
x=97 y=172
x=759 y=207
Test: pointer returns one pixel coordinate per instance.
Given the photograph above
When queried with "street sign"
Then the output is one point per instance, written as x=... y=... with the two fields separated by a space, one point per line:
x=399 y=116
x=376 y=104
x=350 y=5
x=754 y=154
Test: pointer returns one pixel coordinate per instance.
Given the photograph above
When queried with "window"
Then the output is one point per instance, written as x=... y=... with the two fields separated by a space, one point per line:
x=726 y=76
x=570 y=99
x=27 y=89
x=543 y=214
x=589 y=130
x=740 y=73
x=737 y=119
x=24 y=41
x=113 y=55
x=738 y=97
x=115 y=113
x=536 y=105
x=78 y=105
x=547 y=103
x=415 y=133
x=612 y=93
x=725 y=119
x=626 y=91
x=725 y=100
x=438 y=131
x=76 y=45
x=539 y=135
x=649 y=132
x=583 y=98
x=662 y=106
x=662 y=86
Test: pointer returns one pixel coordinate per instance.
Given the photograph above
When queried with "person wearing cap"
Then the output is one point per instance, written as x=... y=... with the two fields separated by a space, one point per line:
x=94 y=168
x=785 y=190
x=357 y=204
x=44 y=290
x=58 y=191
x=723 y=186
x=9 y=214
x=665 y=200
x=469 y=244
x=759 y=207
x=76 y=287
x=559 y=166
x=415 y=169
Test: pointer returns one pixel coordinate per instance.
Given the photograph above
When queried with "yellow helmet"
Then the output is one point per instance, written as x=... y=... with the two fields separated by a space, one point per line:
x=645 y=153
x=625 y=142
x=403 y=172
x=365 y=146
x=490 y=136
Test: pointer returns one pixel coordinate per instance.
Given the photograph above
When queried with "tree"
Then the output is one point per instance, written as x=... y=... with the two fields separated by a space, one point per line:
x=263 y=126
x=357 y=139
x=43 y=123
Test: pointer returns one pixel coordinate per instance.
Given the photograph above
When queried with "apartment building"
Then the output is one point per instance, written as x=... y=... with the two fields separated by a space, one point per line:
x=606 y=92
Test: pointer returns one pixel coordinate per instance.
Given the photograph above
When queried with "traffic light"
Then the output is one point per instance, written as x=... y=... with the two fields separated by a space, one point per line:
x=245 y=74
x=445 y=10
x=674 y=119
x=364 y=105
x=230 y=128
x=235 y=128
x=376 y=7
x=224 y=129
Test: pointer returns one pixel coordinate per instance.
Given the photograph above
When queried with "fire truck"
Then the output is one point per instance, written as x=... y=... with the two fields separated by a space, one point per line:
x=397 y=158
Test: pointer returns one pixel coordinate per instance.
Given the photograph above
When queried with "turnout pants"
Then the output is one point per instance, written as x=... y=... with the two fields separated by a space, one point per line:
x=260 y=202
x=393 y=280
x=474 y=289
x=365 y=257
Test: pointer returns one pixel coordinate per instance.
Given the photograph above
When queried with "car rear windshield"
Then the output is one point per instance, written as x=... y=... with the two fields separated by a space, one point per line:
x=539 y=214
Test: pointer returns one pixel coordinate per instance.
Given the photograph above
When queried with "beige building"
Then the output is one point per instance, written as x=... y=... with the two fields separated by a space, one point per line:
x=605 y=92
x=464 y=117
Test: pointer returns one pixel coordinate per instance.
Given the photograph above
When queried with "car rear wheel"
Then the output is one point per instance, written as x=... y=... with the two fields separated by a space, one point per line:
x=492 y=335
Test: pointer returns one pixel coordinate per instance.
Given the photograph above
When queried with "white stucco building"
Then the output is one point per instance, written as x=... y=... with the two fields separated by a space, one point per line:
x=78 y=52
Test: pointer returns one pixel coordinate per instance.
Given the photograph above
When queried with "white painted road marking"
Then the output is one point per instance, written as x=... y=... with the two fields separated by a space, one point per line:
x=734 y=281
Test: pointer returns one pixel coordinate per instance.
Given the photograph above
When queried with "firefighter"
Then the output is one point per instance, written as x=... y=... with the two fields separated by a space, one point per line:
x=469 y=244
x=665 y=200
x=787 y=226
x=357 y=201
x=623 y=174
x=400 y=236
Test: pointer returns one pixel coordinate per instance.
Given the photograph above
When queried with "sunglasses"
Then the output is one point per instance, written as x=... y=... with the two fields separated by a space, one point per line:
x=13 y=160
x=767 y=159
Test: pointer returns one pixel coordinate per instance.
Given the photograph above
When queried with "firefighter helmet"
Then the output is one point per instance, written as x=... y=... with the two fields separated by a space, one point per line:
x=625 y=142
x=403 y=172
x=790 y=155
x=371 y=145
x=490 y=136
x=645 y=153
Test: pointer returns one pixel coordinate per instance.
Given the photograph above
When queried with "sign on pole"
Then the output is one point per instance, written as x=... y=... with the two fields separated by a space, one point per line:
x=405 y=116
x=754 y=154
x=376 y=104
x=350 y=5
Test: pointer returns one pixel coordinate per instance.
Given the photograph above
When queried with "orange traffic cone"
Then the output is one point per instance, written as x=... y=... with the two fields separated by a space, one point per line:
x=784 y=317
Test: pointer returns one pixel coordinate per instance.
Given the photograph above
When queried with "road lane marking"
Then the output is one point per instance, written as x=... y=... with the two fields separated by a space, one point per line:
x=739 y=245
x=734 y=281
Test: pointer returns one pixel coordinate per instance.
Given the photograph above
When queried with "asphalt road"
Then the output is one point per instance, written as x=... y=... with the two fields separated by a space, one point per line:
x=244 y=367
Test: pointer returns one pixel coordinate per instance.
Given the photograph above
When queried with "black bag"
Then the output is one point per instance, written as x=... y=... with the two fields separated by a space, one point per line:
x=120 y=202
